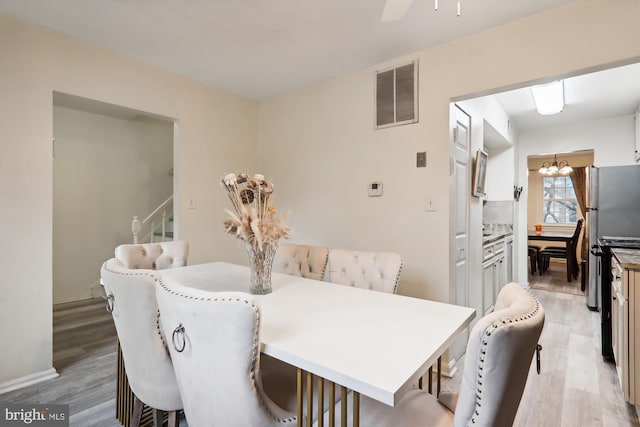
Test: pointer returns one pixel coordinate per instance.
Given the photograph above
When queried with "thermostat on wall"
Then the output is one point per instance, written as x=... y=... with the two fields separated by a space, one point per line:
x=375 y=189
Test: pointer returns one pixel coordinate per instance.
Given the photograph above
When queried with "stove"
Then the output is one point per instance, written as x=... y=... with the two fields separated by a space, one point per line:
x=619 y=242
x=603 y=254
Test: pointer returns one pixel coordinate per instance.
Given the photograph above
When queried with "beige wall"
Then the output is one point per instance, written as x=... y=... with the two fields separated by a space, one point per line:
x=216 y=132
x=323 y=135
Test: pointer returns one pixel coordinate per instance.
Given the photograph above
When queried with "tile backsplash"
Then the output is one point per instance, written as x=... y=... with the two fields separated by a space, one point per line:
x=497 y=216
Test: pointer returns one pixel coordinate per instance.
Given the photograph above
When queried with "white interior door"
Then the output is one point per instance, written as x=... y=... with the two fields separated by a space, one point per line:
x=460 y=192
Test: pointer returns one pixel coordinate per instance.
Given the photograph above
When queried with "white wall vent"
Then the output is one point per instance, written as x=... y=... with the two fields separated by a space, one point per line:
x=397 y=95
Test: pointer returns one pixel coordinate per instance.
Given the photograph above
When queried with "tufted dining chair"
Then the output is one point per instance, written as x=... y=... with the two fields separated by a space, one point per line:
x=301 y=260
x=128 y=279
x=497 y=361
x=215 y=349
x=379 y=271
x=131 y=300
x=153 y=256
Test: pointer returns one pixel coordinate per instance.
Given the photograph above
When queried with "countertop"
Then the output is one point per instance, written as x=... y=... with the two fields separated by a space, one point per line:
x=629 y=258
x=494 y=237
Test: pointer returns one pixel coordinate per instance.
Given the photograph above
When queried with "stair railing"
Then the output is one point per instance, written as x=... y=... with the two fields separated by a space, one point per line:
x=156 y=222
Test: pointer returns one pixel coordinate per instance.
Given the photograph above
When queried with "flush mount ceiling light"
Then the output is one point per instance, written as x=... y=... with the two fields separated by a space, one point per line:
x=549 y=98
x=555 y=168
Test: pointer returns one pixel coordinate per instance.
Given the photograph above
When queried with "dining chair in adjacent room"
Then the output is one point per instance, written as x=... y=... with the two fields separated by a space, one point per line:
x=534 y=256
x=214 y=342
x=379 y=271
x=301 y=260
x=496 y=367
x=132 y=303
x=568 y=253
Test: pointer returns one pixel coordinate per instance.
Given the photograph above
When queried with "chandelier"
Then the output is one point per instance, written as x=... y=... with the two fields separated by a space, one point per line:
x=555 y=168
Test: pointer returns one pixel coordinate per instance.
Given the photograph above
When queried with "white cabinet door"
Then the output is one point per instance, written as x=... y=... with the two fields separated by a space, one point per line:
x=488 y=284
x=500 y=277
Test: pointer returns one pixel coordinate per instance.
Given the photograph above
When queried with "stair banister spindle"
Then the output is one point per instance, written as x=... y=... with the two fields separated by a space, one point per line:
x=136 y=227
x=144 y=231
x=164 y=225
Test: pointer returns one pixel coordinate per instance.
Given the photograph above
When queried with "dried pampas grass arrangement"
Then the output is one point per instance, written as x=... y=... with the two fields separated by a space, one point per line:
x=253 y=219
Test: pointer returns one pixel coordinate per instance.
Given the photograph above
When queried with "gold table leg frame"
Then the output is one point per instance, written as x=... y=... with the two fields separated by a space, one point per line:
x=430 y=378
x=305 y=381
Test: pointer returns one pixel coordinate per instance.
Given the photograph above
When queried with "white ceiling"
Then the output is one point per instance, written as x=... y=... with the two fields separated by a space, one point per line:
x=609 y=93
x=264 y=48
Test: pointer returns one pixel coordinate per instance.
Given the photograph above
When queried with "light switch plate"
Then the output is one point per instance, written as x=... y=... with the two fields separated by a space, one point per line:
x=375 y=189
x=421 y=159
x=430 y=203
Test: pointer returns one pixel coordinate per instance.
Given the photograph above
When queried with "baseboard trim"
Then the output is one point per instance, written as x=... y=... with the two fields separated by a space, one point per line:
x=97 y=291
x=71 y=299
x=28 y=380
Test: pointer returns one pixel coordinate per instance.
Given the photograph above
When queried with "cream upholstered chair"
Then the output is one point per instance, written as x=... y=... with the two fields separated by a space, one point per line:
x=301 y=260
x=214 y=342
x=131 y=299
x=379 y=271
x=309 y=262
x=133 y=264
x=153 y=256
x=496 y=367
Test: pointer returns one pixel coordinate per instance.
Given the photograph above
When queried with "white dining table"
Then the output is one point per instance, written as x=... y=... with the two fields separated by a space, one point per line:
x=373 y=343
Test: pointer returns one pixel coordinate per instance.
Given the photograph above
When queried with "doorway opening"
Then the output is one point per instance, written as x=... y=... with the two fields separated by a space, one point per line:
x=598 y=116
x=110 y=163
x=556 y=203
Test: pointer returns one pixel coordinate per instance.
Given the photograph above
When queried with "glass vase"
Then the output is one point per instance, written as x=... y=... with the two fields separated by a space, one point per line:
x=260 y=264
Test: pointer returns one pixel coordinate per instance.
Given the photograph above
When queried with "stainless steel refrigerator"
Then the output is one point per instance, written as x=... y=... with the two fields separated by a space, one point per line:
x=614 y=210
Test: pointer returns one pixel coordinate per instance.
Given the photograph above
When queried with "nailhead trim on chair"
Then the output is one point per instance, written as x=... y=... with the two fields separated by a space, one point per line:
x=485 y=342
x=150 y=274
x=324 y=266
x=256 y=340
x=395 y=287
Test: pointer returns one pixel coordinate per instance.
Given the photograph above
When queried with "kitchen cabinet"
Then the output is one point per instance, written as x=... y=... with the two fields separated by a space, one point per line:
x=488 y=277
x=625 y=320
x=494 y=272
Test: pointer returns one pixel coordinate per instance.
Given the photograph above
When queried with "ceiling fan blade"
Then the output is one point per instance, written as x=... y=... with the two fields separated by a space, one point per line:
x=394 y=10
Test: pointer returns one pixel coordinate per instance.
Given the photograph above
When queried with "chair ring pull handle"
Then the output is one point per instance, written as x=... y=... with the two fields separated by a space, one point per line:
x=109 y=303
x=178 y=335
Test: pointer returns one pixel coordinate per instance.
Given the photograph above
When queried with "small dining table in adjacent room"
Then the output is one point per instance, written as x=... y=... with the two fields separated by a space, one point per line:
x=559 y=236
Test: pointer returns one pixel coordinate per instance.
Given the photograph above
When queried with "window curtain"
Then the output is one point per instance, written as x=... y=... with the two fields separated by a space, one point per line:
x=579 y=178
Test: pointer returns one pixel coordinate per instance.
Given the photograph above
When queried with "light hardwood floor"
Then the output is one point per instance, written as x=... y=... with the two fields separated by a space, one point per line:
x=84 y=354
x=576 y=387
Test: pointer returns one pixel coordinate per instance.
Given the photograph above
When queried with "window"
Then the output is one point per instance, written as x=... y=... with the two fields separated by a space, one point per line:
x=559 y=200
x=396 y=96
